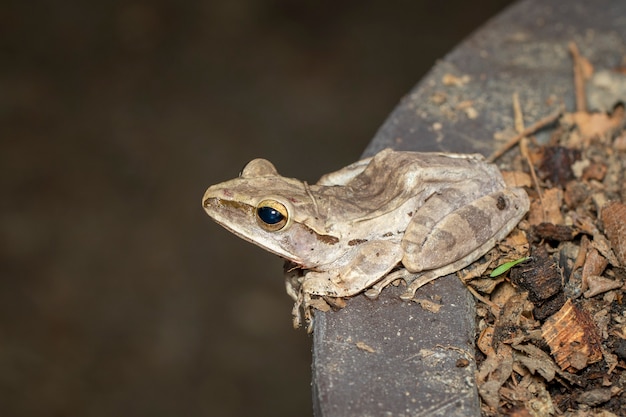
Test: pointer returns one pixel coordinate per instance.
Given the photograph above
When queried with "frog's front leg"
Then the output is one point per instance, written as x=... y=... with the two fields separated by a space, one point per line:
x=368 y=263
x=355 y=270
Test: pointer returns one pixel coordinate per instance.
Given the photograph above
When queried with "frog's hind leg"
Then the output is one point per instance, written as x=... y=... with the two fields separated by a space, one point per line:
x=423 y=278
x=467 y=232
x=375 y=290
x=414 y=281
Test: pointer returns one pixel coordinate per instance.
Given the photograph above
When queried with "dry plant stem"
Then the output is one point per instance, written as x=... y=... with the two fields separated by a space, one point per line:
x=518 y=116
x=533 y=173
x=540 y=124
x=493 y=307
x=519 y=127
x=579 y=79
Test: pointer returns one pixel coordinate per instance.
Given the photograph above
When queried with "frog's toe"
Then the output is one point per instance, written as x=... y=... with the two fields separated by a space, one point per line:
x=408 y=295
x=296 y=318
x=372 y=293
x=308 y=320
x=416 y=281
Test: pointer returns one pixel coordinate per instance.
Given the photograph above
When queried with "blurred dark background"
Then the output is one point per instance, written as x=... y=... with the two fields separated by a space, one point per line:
x=118 y=295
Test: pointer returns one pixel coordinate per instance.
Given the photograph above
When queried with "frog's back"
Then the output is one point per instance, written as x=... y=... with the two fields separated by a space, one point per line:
x=394 y=178
x=410 y=170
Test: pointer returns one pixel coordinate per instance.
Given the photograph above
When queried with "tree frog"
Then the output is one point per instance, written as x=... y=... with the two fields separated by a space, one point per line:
x=410 y=215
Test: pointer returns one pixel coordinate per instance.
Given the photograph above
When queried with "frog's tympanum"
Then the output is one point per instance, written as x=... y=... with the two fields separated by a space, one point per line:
x=410 y=215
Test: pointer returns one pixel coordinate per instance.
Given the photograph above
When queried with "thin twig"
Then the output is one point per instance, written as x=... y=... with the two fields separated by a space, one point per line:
x=517 y=114
x=493 y=307
x=523 y=146
x=579 y=78
x=540 y=124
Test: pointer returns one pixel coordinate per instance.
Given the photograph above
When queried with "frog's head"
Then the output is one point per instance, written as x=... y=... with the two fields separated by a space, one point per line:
x=271 y=211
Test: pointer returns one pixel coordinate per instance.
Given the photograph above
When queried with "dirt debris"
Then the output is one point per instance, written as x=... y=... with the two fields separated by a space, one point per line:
x=552 y=330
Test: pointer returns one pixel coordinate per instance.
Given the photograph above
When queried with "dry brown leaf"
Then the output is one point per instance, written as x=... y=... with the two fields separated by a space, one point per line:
x=428 y=305
x=614 y=218
x=593 y=125
x=594 y=171
x=598 y=285
x=485 y=341
x=456 y=81
x=548 y=210
x=493 y=373
x=620 y=143
x=515 y=244
x=503 y=293
x=594 y=265
x=536 y=361
x=517 y=179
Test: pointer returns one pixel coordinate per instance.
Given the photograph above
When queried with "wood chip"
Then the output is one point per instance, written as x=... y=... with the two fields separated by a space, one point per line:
x=428 y=305
x=455 y=81
x=573 y=338
x=554 y=232
x=365 y=347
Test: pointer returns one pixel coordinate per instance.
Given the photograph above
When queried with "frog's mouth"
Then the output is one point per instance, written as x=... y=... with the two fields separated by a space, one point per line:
x=298 y=243
x=239 y=219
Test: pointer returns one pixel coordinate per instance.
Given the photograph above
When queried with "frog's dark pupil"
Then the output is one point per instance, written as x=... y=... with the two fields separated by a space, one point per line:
x=269 y=215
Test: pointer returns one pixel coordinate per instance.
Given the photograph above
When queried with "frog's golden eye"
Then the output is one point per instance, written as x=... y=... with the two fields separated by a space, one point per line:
x=272 y=215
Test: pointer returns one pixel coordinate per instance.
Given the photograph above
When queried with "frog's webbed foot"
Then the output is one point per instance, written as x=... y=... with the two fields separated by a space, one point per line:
x=293 y=285
x=295 y=314
x=303 y=304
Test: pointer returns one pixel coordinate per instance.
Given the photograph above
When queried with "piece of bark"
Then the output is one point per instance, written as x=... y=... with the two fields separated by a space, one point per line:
x=540 y=277
x=573 y=338
x=555 y=232
x=613 y=216
x=550 y=306
x=556 y=165
x=576 y=192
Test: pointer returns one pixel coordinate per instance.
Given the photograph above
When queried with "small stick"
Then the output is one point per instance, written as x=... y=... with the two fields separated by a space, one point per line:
x=579 y=78
x=517 y=112
x=493 y=307
x=540 y=124
x=523 y=146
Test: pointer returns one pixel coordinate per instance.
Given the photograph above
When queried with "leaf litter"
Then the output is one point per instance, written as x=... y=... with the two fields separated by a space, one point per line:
x=552 y=330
